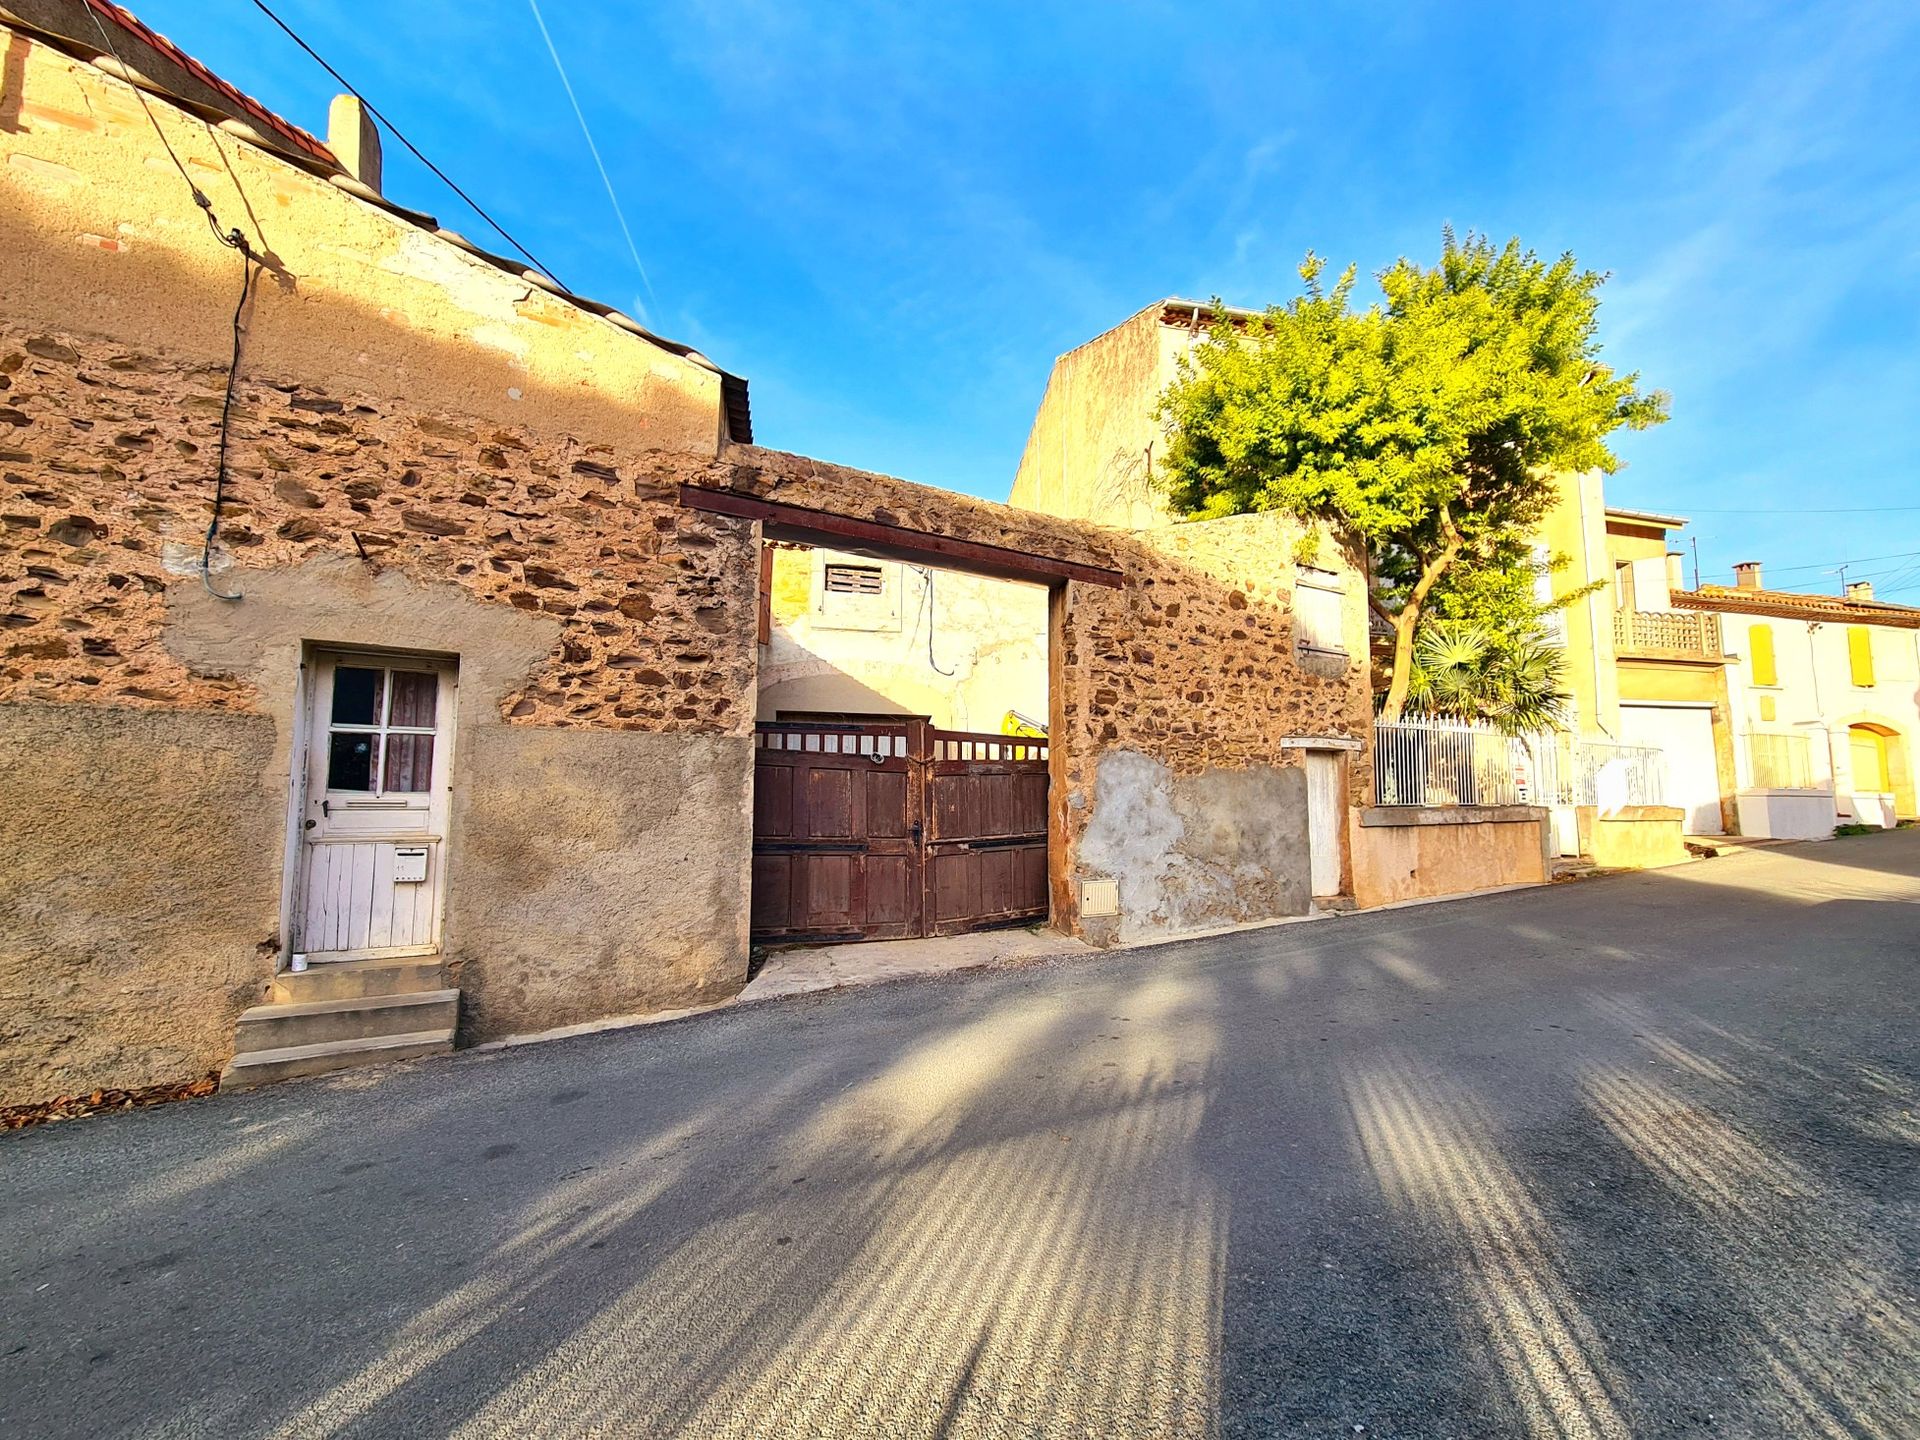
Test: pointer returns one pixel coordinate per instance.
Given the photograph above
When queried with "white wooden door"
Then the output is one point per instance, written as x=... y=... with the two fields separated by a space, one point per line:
x=373 y=855
x=1685 y=733
x=1325 y=815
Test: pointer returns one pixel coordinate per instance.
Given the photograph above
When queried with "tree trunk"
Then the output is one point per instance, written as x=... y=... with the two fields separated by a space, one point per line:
x=1396 y=701
x=1409 y=618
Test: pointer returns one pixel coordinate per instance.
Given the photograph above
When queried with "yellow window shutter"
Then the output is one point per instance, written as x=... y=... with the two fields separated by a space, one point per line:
x=1767 y=710
x=1760 y=639
x=1860 y=653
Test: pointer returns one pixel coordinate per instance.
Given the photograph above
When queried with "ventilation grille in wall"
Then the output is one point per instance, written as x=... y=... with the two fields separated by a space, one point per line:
x=854 y=580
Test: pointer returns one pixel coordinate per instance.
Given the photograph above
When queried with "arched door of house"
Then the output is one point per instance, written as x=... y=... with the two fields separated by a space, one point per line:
x=1867 y=747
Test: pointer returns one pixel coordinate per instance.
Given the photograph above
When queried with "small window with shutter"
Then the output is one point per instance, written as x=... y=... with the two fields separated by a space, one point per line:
x=854 y=580
x=1317 y=596
x=1860 y=654
x=1760 y=655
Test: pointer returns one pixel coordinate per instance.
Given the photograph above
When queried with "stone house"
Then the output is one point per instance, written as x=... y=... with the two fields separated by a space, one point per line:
x=1090 y=455
x=455 y=706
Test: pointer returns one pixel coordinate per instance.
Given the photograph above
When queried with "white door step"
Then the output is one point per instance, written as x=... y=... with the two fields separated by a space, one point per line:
x=262 y=1067
x=314 y=1022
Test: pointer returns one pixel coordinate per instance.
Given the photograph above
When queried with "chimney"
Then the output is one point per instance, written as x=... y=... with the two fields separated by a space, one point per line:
x=354 y=139
x=1676 y=575
x=1860 y=589
x=1746 y=575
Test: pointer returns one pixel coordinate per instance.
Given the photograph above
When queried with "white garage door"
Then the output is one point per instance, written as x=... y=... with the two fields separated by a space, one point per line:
x=1686 y=734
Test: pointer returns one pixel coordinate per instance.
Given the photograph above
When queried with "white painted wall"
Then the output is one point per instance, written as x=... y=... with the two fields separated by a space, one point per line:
x=841 y=653
x=1816 y=697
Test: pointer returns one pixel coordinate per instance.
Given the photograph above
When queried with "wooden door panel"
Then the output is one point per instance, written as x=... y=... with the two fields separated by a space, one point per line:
x=772 y=801
x=824 y=885
x=772 y=892
x=892 y=883
x=886 y=794
x=882 y=831
x=827 y=803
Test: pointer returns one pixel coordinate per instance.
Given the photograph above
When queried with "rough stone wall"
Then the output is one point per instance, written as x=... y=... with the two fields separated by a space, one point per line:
x=107 y=457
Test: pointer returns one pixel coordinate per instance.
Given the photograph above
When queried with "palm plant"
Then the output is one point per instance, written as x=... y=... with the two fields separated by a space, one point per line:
x=1464 y=671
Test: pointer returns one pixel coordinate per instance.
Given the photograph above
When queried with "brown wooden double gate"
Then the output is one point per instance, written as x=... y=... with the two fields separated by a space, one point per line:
x=894 y=831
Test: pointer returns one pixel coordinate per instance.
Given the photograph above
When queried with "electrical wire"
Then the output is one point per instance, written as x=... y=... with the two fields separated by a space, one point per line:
x=226 y=428
x=1831 y=564
x=234 y=239
x=926 y=578
x=374 y=110
x=594 y=150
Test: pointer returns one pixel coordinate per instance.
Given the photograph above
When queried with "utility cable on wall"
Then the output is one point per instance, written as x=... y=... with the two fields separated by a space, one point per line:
x=926 y=580
x=234 y=239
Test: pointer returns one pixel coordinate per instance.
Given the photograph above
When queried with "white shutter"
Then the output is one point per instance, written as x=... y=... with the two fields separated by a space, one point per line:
x=1317 y=605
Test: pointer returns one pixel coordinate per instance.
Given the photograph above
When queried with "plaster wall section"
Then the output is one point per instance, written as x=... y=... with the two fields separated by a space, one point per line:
x=961 y=649
x=596 y=873
x=1190 y=852
x=1423 y=854
x=1095 y=438
x=139 y=896
x=1575 y=528
x=100 y=236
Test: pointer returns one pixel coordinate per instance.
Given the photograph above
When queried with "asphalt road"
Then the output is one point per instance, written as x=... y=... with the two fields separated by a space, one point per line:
x=1634 y=1156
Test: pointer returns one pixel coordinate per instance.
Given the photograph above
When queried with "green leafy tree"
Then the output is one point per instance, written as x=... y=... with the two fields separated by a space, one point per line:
x=1424 y=430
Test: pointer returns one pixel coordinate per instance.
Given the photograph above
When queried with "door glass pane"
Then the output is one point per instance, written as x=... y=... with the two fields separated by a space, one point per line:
x=409 y=763
x=350 y=761
x=356 y=696
x=414 y=693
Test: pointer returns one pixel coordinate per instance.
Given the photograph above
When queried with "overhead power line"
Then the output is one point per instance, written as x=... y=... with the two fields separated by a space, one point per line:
x=594 y=150
x=1831 y=564
x=374 y=110
x=1843 y=510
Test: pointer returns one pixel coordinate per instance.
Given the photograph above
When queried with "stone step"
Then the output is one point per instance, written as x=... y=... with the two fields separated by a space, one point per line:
x=345 y=979
x=263 y=1067
x=318 y=1022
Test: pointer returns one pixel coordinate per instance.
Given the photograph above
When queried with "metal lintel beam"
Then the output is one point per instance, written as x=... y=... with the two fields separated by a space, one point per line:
x=808 y=526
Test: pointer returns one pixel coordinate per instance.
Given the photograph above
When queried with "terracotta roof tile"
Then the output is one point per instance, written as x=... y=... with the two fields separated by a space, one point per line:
x=1786 y=605
x=254 y=111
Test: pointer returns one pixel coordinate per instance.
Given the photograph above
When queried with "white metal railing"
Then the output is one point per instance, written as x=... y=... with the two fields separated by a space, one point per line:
x=1608 y=776
x=1780 y=762
x=1445 y=762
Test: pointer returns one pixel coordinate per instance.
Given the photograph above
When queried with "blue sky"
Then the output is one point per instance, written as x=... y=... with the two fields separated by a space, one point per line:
x=891 y=217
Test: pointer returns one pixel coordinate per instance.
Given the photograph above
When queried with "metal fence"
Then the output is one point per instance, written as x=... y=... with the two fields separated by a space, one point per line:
x=1609 y=776
x=1443 y=762
x=1781 y=762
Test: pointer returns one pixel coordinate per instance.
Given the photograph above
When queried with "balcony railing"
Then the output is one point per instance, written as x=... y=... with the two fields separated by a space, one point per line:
x=1666 y=632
